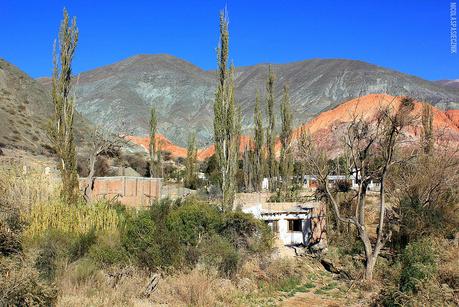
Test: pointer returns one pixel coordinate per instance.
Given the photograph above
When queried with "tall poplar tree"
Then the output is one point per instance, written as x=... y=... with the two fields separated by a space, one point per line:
x=258 y=146
x=247 y=168
x=226 y=121
x=152 y=147
x=427 y=138
x=270 y=130
x=61 y=129
x=286 y=159
x=190 y=167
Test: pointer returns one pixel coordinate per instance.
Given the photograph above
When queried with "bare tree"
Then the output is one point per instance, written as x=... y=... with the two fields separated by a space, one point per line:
x=101 y=142
x=372 y=144
x=426 y=187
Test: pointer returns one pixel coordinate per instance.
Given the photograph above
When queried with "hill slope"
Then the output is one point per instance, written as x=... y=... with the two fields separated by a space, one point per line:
x=119 y=96
x=25 y=107
x=449 y=83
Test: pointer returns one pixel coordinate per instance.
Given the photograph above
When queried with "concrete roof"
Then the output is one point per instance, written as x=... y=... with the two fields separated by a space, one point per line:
x=273 y=208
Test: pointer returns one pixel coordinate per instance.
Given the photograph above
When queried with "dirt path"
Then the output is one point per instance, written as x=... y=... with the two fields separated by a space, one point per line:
x=309 y=299
x=320 y=288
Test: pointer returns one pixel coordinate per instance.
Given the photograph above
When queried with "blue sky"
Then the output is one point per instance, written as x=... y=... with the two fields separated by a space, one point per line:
x=409 y=36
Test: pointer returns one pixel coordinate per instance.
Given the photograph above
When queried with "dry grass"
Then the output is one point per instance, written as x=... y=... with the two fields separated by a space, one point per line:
x=448 y=268
x=96 y=289
x=26 y=190
x=21 y=286
x=195 y=288
x=78 y=218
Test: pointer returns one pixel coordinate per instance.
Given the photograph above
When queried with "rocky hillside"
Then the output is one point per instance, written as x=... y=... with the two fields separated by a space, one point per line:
x=328 y=128
x=449 y=83
x=25 y=109
x=119 y=96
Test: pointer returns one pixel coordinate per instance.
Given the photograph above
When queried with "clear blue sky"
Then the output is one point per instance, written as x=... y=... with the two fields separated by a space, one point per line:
x=411 y=36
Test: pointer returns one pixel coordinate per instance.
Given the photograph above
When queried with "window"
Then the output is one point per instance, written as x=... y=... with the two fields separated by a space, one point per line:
x=294 y=225
x=274 y=225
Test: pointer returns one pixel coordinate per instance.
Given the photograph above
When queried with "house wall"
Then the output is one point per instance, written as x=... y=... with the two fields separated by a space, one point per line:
x=288 y=237
x=130 y=191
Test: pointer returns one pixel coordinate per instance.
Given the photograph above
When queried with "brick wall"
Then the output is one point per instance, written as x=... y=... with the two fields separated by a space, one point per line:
x=130 y=191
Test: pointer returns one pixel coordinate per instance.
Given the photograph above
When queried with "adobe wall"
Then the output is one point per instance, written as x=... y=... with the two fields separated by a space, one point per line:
x=130 y=191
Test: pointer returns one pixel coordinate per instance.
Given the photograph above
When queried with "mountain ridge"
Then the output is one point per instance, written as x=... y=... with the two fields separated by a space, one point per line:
x=119 y=96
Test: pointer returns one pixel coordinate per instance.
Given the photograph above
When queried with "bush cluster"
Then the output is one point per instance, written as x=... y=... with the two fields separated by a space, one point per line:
x=172 y=235
x=167 y=236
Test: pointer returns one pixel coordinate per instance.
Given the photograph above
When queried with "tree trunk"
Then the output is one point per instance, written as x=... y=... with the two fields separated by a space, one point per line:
x=362 y=199
x=369 y=267
x=90 y=180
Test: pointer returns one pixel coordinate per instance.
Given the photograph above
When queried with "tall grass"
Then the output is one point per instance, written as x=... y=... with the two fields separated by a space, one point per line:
x=79 y=218
x=26 y=189
x=36 y=195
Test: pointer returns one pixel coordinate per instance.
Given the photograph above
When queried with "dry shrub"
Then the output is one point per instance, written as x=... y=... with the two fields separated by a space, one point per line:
x=448 y=268
x=196 y=288
x=280 y=274
x=20 y=285
x=80 y=288
x=251 y=268
x=282 y=267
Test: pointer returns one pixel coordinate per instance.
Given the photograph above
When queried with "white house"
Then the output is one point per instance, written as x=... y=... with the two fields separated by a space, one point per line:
x=293 y=224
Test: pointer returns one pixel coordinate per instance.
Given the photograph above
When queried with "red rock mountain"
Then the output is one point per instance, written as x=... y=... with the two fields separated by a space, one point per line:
x=161 y=142
x=180 y=152
x=329 y=127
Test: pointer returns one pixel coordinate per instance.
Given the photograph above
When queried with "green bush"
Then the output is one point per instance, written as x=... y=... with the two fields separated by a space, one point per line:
x=185 y=233
x=149 y=241
x=419 y=263
x=80 y=246
x=53 y=246
x=218 y=252
x=82 y=270
x=193 y=220
x=245 y=231
x=108 y=250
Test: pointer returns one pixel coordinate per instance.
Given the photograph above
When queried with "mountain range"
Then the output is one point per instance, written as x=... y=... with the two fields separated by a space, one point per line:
x=328 y=128
x=119 y=96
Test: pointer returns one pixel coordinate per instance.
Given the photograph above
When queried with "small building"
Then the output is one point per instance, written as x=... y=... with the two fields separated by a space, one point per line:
x=293 y=224
x=310 y=181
